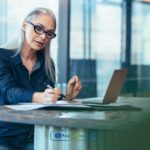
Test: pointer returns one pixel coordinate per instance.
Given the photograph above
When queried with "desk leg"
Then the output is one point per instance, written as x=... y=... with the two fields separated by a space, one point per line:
x=54 y=138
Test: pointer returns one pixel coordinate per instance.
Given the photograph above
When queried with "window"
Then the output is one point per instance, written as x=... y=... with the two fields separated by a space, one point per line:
x=140 y=34
x=95 y=43
x=12 y=13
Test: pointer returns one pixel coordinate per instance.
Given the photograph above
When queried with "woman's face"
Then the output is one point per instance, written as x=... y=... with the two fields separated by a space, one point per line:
x=33 y=39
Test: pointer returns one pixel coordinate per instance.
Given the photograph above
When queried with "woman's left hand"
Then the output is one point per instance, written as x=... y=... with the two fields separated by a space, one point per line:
x=73 y=88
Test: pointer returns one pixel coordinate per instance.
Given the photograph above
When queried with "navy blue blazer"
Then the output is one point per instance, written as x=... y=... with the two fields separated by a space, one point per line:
x=16 y=85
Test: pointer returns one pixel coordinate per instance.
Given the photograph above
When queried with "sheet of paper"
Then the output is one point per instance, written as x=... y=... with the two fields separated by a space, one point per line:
x=25 y=107
x=58 y=104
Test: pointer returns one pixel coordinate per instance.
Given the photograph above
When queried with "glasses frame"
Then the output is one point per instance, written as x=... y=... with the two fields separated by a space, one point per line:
x=45 y=32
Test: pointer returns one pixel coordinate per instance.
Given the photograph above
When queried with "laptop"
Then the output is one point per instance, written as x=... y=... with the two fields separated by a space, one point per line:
x=113 y=89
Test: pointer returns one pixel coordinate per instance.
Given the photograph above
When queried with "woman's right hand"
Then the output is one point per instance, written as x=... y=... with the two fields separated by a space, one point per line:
x=48 y=96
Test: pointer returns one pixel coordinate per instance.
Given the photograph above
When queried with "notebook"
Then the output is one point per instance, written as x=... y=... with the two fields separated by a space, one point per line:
x=113 y=89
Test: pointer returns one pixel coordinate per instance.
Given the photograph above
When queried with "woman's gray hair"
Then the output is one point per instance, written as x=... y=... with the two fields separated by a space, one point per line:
x=17 y=44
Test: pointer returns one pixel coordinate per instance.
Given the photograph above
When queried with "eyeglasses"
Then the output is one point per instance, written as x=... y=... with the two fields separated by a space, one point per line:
x=39 y=30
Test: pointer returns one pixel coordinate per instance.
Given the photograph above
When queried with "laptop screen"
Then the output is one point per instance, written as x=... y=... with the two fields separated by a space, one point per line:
x=115 y=85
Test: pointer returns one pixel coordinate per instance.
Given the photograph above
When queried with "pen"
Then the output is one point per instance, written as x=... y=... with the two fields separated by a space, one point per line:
x=61 y=95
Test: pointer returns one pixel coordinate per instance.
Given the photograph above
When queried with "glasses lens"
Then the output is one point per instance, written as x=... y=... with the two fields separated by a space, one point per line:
x=50 y=35
x=38 y=29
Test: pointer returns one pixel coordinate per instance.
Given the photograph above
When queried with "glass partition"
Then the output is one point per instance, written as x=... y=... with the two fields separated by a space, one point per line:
x=140 y=48
x=95 y=43
x=12 y=13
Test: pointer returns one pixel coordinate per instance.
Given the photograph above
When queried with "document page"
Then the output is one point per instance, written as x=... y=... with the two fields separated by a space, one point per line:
x=58 y=104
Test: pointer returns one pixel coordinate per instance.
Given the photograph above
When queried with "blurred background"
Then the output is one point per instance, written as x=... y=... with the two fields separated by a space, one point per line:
x=94 y=37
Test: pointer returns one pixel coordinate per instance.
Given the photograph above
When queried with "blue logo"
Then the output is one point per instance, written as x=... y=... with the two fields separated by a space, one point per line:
x=73 y=135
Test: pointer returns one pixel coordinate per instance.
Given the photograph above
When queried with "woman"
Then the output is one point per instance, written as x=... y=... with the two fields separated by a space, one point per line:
x=25 y=72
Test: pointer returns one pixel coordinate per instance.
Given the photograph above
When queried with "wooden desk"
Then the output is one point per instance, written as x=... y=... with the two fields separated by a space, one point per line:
x=87 y=130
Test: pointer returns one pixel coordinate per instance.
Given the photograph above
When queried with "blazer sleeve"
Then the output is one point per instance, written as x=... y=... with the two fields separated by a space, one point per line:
x=10 y=93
